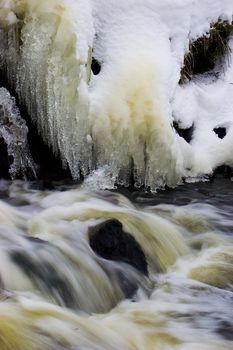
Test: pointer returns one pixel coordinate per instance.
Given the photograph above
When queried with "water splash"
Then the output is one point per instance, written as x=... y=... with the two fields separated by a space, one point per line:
x=101 y=179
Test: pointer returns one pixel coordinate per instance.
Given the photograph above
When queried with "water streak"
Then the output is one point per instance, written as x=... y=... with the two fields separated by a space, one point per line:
x=53 y=283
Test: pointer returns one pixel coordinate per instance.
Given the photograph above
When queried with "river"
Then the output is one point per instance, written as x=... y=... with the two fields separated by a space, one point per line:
x=127 y=92
x=172 y=289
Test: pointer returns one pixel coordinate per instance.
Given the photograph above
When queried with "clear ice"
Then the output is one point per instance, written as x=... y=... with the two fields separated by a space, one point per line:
x=13 y=130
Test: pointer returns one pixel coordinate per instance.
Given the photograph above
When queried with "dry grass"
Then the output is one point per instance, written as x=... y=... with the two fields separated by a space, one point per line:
x=207 y=52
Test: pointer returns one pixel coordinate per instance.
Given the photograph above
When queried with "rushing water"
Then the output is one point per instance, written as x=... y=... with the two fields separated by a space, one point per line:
x=82 y=268
x=58 y=293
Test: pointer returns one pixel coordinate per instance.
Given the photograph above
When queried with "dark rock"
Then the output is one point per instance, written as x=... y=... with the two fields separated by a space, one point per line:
x=220 y=132
x=185 y=133
x=111 y=242
x=225 y=329
x=223 y=171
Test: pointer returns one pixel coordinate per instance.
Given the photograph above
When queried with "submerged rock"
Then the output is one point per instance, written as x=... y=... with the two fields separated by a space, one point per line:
x=111 y=242
x=70 y=274
x=225 y=329
x=46 y=277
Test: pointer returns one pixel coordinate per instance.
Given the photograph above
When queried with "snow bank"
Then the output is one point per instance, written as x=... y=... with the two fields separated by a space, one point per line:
x=123 y=116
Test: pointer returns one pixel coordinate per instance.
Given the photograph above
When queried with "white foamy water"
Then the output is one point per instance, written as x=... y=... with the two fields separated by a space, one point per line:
x=158 y=276
x=58 y=293
x=123 y=116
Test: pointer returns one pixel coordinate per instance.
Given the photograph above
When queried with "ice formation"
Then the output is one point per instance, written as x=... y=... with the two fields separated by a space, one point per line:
x=13 y=131
x=123 y=116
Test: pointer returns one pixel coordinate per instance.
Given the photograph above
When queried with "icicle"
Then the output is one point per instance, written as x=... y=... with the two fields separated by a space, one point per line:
x=13 y=131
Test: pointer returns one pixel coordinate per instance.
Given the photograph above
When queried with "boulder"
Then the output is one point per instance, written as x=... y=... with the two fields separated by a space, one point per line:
x=110 y=241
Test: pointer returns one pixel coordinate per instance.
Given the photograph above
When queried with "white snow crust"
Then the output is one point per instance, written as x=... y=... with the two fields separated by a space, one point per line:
x=121 y=118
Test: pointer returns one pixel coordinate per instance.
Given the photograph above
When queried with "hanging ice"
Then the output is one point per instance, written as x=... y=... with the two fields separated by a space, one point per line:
x=13 y=131
x=123 y=117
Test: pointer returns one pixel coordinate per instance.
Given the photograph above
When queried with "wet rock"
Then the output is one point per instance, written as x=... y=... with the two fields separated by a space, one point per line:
x=225 y=329
x=111 y=242
x=225 y=171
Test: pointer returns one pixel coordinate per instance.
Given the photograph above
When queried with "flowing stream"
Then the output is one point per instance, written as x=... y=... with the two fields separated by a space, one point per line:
x=58 y=292
x=120 y=92
x=132 y=111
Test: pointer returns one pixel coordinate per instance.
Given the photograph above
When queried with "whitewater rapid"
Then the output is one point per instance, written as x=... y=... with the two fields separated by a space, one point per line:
x=104 y=82
x=58 y=293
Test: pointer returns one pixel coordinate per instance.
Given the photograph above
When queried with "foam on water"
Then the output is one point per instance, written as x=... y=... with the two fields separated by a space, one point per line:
x=56 y=291
x=123 y=116
x=53 y=284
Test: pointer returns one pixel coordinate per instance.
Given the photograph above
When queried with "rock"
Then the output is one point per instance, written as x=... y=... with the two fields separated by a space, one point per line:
x=111 y=242
x=225 y=329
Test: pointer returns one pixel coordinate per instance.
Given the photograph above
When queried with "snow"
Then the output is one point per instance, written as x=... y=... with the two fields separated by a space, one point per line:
x=122 y=118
